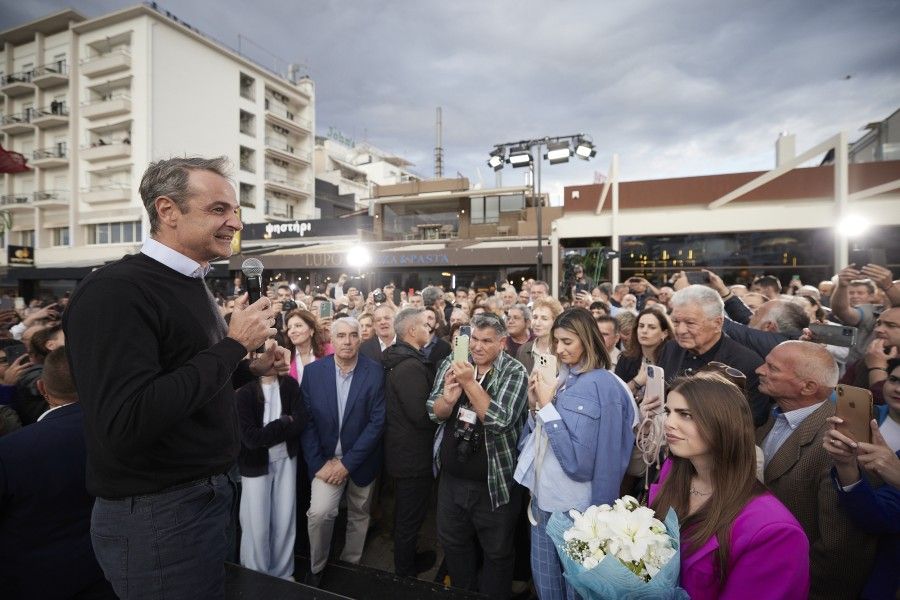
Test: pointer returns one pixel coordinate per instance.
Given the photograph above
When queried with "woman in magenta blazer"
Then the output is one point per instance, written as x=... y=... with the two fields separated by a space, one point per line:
x=738 y=540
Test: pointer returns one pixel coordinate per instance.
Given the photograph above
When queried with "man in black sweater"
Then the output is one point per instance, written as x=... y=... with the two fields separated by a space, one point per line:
x=408 y=435
x=156 y=366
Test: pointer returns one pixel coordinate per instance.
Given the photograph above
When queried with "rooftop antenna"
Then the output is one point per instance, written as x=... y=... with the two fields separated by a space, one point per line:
x=438 y=147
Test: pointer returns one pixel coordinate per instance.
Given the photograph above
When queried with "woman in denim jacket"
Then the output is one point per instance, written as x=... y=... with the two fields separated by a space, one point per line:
x=577 y=441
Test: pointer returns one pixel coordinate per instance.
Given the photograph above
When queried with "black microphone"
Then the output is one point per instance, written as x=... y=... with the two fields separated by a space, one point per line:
x=252 y=269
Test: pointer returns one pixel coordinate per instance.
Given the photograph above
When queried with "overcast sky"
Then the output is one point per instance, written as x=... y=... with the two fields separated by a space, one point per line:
x=675 y=88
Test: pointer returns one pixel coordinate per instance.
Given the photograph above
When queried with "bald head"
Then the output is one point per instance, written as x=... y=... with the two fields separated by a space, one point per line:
x=798 y=374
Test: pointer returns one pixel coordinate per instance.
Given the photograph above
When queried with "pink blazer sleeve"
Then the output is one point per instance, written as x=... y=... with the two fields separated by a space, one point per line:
x=768 y=560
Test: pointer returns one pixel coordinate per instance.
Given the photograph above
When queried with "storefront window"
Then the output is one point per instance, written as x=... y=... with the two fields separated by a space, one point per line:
x=419 y=221
x=736 y=257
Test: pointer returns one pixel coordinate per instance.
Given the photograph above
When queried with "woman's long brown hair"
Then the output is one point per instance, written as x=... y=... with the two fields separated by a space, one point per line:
x=318 y=347
x=581 y=322
x=724 y=422
x=634 y=348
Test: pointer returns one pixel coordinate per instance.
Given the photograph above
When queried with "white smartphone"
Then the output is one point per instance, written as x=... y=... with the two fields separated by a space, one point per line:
x=546 y=366
x=656 y=383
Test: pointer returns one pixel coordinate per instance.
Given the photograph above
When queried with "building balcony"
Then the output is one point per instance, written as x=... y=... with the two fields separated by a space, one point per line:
x=278 y=115
x=16 y=201
x=102 y=150
x=286 y=184
x=52 y=198
x=17 y=123
x=17 y=84
x=54 y=115
x=48 y=158
x=104 y=64
x=51 y=75
x=110 y=107
x=278 y=148
x=278 y=210
x=106 y=193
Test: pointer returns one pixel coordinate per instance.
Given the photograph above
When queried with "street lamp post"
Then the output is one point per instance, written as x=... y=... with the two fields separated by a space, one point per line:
x=529 y=153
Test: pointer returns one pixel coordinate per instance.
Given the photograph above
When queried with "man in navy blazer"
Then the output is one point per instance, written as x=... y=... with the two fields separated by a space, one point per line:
x=45 y=510
x=344 y=397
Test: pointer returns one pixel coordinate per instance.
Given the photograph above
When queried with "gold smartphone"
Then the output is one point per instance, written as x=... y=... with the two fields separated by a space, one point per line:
x=461 y=345
x=854 y=407
x=546 y=366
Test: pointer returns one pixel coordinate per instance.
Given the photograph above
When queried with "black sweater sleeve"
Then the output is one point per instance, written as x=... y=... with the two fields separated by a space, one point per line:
x=130 y=398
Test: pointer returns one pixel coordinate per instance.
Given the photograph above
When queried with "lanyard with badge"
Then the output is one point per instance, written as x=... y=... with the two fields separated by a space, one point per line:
x=467 y=436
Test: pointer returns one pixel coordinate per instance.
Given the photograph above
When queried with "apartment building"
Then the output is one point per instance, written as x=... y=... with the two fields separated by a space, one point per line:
x=357 y=168
x=90 y=102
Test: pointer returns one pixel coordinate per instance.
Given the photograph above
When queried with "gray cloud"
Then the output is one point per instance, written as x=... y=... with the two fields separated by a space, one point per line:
x=676 y=89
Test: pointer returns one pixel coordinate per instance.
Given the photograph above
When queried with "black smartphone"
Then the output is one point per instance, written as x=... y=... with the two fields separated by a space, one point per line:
x=13 y=352
x=697 y=277
x=834 y=335
x=581 y=287
x=868 y=256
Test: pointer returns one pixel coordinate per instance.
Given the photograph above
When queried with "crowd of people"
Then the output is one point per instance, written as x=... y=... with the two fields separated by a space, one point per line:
x=147 y=419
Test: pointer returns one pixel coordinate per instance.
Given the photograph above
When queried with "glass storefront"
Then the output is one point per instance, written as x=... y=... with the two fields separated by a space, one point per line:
x=432 y=220
x=737 y=257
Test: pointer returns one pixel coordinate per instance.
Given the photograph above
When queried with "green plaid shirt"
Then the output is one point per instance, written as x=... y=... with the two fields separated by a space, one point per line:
x=508 y=388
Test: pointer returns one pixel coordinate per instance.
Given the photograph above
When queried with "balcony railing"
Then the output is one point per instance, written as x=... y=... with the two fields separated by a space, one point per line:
x=56 y=108
x=284 y=113
x=295 y=183
x=22 y=118
x=20 y=77
x=107 y=62
x=53 y=152
x=59 y=67
x=107 y=106
x=279 y=210
x=14 y=199
x=284 y=146
x=52 y=196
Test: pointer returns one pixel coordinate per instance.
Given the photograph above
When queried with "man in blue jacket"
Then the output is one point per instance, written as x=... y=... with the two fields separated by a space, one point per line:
x=344 y=397
x=45 y=510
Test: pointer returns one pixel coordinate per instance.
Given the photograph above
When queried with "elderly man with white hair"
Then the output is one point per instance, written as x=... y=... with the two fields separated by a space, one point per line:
x=698 y=314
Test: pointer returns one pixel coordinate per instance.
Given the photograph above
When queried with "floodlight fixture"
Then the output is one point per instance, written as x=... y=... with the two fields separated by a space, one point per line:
x=585 y=150
x=496 y=160
x=519 y=157
x=558 y=152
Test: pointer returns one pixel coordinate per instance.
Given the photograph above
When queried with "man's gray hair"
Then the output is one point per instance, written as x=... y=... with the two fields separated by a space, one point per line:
x=430 y=295
x=526 y=312
x=348 y=321
x=405 y=319
x=170 y=178
x=788 y=316
x=543 y=283
x=489 y=320
x=708 y=299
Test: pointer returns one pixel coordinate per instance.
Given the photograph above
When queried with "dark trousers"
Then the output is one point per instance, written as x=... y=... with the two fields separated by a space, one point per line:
x=166 y=545
x=465 y=519
x=412 y=497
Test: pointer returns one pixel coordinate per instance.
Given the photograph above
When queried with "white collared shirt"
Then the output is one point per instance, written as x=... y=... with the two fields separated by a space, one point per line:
x=383 y=345
x=48 y=411
x=173 y=259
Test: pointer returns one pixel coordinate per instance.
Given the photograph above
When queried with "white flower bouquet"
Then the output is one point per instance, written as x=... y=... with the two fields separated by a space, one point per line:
x=619 y=551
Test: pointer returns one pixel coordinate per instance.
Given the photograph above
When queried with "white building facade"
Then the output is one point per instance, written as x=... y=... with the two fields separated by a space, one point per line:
x=91 y=102
x=356 y=168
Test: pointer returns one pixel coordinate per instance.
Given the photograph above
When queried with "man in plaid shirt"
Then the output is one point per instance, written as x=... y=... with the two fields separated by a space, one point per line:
x=481 y=410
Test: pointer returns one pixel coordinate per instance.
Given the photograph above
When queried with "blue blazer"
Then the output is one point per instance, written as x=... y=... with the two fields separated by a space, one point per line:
x=363 y=423
x=877 y=512
x=45 y=510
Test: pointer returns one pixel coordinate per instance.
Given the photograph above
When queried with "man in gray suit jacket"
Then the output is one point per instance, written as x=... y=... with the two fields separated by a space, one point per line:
x=800 y=376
